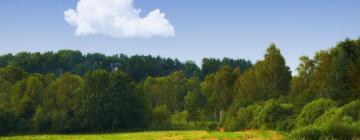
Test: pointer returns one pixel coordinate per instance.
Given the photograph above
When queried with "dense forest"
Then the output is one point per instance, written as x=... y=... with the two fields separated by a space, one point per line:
x=69 y=92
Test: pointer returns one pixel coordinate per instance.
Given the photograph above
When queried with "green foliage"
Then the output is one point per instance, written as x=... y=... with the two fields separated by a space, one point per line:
x=330 y=116
x=351 y=110
x=336 y=115
x=194 y=104
x=272 y=115
x=308 y=133
x=161 y=118
x=191 y=69
x=212 y=126
x=138 y=67
x=328 y=131
x=94 y=108
x=302 y=88
x=333 y=74
x=268 y=79
x=7 y=120
x=63 y=95
x=127 y=107
x=40 y=120
x=212 y=65
x=336 y=85
x=68 y=92
x=12 y=74
x=276 y=116
x=169 y=91
x=313 y=111
x=22 y=125
x=273 y=76
x=218 y=89
x=336 y=123
x=179 y=120
x=241 y=119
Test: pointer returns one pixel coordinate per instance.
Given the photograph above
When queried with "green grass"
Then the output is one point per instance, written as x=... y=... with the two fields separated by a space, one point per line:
x=156 y=135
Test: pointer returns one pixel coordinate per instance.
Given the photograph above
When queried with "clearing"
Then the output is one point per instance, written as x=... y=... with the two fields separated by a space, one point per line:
x=157 y=135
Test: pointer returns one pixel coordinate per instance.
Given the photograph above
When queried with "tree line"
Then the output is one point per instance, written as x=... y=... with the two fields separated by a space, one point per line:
x=70 y=92
x=137 y=67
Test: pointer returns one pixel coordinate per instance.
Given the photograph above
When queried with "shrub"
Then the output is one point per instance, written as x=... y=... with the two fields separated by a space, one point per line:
x=343 y=130
x=230 y=123
x=161 y=118
x=335 y=115
x=179 y=120
x=212 y=126
x=330 y=116
x=240 y=120
x=313 y=111
x=272 y=115
x=276 y=116
x=352 y=110
x=306 y=133
x=334 y=123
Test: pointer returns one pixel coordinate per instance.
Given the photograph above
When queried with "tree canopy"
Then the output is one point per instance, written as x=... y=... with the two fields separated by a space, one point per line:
x=69 y=92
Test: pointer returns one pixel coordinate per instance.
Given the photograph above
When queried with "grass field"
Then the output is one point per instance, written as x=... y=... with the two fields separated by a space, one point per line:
x=158 y=135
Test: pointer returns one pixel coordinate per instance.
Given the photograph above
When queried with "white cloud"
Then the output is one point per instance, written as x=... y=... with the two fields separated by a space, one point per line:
x=117 y=18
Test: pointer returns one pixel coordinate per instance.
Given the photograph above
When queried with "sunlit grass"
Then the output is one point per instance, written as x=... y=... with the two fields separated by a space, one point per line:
x=157 y=135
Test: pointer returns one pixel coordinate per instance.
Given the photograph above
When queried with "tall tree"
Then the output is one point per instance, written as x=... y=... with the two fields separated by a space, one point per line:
x=272 y=73
x=169 y=91
x=62 y=97
x=127 y=107
x=301 y=87
x=94 y=109
x=338 y=85
x=218 y=88
x=269 y=78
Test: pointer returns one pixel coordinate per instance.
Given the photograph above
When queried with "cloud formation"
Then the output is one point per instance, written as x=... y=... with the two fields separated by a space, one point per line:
x=117 y=18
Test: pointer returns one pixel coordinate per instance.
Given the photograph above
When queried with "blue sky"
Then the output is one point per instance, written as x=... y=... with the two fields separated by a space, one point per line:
x=203 y=28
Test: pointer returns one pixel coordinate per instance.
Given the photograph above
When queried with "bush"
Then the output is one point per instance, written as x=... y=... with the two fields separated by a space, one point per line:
x=272 y=115
x=179 y=120
x=241 y=118
x=306 y=133
x=276 y=116
x=341 y=131
x=212 y=126
x=330 y=116
x=344 y=130
x=239 y=121
x=161 y=118
x=335 y=115
x=313 y=111
x=334 y=123
x=352 y=110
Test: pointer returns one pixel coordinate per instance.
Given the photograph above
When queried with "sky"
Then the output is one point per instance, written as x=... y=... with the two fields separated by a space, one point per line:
x=183 y=29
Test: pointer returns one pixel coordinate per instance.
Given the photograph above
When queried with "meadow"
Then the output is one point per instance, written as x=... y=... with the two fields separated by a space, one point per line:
x=157 y=135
